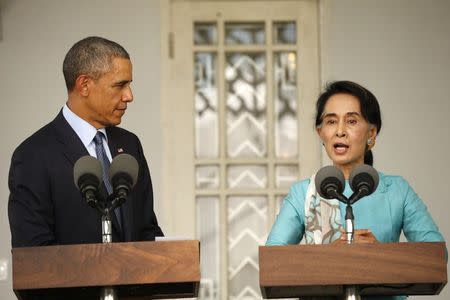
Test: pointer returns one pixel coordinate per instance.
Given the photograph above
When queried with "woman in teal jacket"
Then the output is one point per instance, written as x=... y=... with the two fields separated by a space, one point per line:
x=393 y=207
x=348 y=121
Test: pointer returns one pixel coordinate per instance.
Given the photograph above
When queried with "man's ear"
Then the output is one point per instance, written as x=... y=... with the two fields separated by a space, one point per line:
x=82 y=85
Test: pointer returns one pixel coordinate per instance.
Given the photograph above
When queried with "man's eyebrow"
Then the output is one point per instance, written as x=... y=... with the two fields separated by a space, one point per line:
x=123 y=82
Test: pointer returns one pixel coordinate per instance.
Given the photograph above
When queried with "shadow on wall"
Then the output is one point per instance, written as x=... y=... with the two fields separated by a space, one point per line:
x=1 y=24
x=4 y=5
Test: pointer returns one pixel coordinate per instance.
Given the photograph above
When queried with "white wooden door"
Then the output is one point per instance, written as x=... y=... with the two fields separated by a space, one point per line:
x=239 y=88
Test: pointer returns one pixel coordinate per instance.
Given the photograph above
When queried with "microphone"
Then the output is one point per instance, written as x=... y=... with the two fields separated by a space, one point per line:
x=123 y=174
x=330 y=183
x=363 y=181
x=87 y=174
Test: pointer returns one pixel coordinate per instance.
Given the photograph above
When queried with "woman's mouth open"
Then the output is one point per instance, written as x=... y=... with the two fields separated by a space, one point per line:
x=340 y=148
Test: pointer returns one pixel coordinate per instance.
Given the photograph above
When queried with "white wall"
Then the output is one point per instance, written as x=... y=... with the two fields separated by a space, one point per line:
x=399 y=49
x=34 y=39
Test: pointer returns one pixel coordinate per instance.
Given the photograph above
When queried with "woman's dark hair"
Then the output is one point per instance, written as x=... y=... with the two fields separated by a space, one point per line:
x=370 y=109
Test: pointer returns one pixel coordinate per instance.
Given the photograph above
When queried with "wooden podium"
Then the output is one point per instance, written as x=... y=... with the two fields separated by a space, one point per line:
x=138 y=270
x=375 y=269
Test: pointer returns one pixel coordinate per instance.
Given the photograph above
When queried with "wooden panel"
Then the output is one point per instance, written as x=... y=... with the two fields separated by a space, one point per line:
x=124 y=292
x=116 y=264
x=396 y=268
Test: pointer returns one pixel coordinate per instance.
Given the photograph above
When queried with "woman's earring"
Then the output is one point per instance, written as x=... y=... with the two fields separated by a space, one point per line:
x=369 y=142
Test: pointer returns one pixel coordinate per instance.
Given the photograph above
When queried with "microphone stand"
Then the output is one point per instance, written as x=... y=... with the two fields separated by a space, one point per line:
x=107 y=292
x=106 y=227
x=350 y=291
x=106 y=211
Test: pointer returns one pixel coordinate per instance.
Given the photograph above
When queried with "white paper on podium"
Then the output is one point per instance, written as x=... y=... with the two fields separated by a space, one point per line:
x=172 y=238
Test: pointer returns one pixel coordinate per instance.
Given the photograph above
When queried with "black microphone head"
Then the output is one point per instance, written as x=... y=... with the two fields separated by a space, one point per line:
x=364 y=176
x=327 y=178
x=87 y=170
x=124 y=168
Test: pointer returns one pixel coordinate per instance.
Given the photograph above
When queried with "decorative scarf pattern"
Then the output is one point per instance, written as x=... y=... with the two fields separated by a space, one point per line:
x=322 y=217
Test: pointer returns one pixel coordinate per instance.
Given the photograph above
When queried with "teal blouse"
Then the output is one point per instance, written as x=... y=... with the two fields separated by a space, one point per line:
x=393 y=207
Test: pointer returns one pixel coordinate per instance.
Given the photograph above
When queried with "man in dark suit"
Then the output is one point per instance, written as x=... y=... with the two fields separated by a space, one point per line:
x=45 y=207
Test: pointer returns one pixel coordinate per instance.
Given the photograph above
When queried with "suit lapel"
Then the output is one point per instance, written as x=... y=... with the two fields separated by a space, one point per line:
x=73 y=148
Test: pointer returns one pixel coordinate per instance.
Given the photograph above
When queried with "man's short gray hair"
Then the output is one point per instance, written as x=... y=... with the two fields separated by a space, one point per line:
x=91 y=56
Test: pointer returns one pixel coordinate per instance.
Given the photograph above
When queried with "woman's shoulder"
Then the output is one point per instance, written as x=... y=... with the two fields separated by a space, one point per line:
x=392 y=179
x=300 y=186
x=297 y=191
x=390 y=182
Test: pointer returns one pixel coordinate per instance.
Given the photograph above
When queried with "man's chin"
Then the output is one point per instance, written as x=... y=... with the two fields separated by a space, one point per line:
x=113 y=122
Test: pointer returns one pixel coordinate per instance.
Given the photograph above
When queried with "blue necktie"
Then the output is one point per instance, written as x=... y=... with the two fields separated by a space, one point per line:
x=104 y=160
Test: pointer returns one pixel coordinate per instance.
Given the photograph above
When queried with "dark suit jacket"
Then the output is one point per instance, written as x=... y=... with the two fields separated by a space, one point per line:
x=45 y=207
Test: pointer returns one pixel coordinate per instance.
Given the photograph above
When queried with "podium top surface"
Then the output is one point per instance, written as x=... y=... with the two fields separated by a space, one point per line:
x=115 y=264
x=409 y=268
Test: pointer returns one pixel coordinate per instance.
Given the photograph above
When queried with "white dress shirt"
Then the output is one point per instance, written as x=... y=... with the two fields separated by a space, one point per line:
x=86 y=132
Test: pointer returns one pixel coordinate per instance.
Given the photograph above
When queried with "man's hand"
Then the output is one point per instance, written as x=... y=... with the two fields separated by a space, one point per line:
x=360 y=236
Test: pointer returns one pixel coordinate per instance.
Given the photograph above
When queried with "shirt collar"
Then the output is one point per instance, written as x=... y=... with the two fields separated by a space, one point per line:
x=85 y=131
